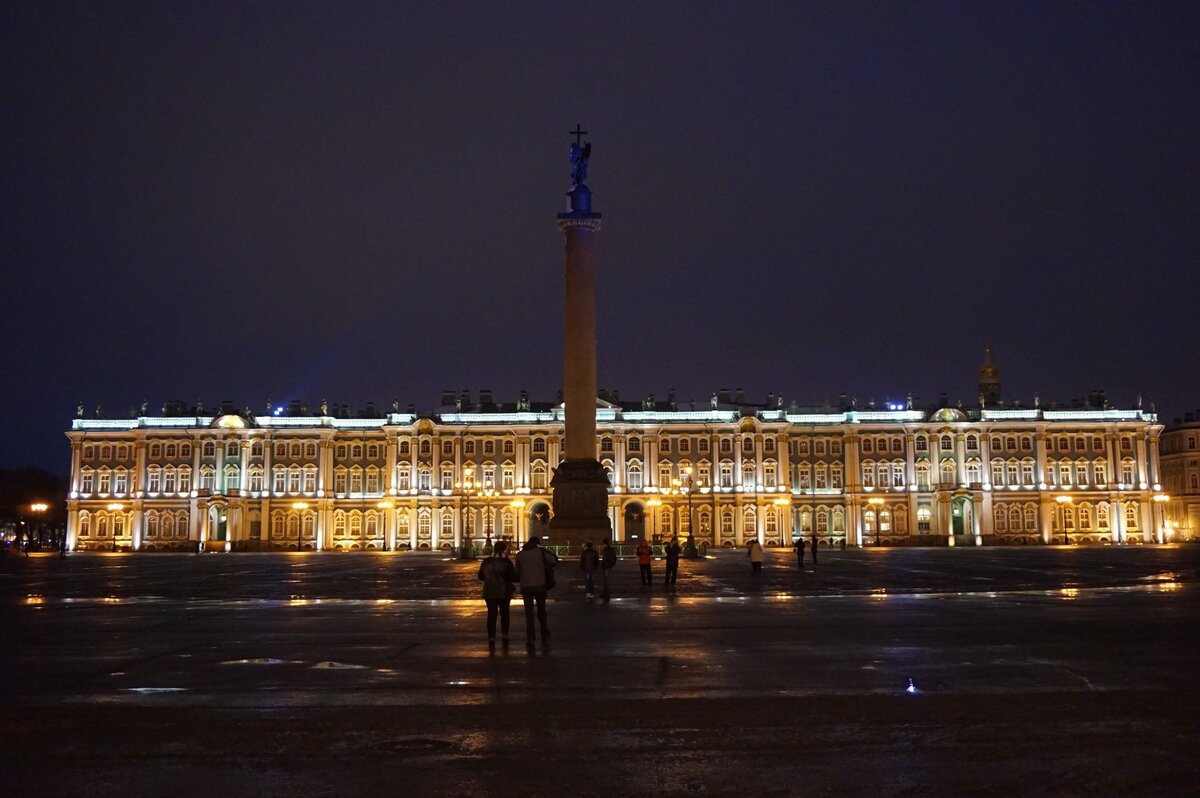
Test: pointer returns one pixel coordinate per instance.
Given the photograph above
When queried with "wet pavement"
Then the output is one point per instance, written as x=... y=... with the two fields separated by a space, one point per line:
x=1041 y=670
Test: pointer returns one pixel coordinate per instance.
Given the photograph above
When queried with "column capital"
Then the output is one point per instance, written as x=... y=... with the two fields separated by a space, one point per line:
x=568 y=221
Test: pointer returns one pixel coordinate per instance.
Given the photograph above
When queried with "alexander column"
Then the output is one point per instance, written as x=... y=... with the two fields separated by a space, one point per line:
x=580 y=483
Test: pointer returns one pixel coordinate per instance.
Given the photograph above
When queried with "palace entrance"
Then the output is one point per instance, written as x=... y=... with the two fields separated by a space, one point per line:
x=634 y=525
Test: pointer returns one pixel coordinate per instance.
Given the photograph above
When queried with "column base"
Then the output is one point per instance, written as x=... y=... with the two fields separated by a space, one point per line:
x=580 y=504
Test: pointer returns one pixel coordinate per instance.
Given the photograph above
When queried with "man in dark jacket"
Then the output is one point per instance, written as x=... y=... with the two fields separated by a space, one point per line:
x=798 y=545
x=672 y=551
x=532 y=565
x=589 y=561
x=498 y=576
x=608 y=559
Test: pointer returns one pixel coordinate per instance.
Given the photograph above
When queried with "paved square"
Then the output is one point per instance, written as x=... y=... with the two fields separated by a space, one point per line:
x=1037 y=671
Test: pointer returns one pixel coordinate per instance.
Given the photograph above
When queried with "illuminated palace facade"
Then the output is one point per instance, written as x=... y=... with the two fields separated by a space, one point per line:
x=728 y=473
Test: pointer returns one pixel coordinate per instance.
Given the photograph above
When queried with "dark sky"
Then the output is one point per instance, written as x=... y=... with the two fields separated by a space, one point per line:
x=255 y=201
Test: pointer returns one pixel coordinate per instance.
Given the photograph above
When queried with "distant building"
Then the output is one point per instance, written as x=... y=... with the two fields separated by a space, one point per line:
x=1181 y=477
x=725 y=470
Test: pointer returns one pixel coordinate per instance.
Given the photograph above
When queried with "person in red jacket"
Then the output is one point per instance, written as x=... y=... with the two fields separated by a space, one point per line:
x=643 y=555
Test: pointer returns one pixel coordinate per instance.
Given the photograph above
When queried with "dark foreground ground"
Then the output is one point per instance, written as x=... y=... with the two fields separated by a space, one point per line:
x=1040 y=671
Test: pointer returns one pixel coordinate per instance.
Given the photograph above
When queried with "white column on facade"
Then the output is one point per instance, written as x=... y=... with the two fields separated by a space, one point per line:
x=1046 y=511
x=138 y=516
x=1142 y=470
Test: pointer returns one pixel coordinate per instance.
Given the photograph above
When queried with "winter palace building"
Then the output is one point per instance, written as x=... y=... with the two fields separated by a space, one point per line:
x=727 y=472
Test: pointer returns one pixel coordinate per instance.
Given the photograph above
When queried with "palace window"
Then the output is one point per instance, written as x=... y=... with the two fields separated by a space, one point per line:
x=924 y=518
x=185 y=479
x=769 y=444
x=356 y=480
x=340 y=451
x=280 y=449
x=154 y=480
x=997 y=472
x=835 y=475
x=209 y=449
x=207 y=478
x=921 y=444
x=424 y=479
x=356 y=452
x=922 y=470
x=294 y=479
x=747 y=444
x=155 y=450
x=769 y=475
x=232 y=478
x=426 y=447
x=726 y=475
x=819 y=446
x=1027 y=472
x=405 y=447
x=822 y=521
x=447 y=447
x=105 y=482
x=726 y=446
x=341 y=480
x=310 y=450
x=703 y=446
x=633 y=474
x=972 y=443
x=508 y=447
x=539 y=445
x=255 y=480
x=946 y=443
x=664 y=446
x=105 y=452
x=1014 y=472
x=489 y=447
x=403 y=479
x=537 y=480
x=310 y=479
x=685 y=445
x=868 y=445
x=121 y=482
x=508 y=477
x=373 y=480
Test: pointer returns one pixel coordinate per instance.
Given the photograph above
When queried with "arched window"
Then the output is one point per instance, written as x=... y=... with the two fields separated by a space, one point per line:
x=665 y=522
x=256 y=449
x=310 y=521
x=749 y=522
x=922 y=470
x=1102 y=515
x=293 y=525
x=539 y=445
x=1014 y=518
x=869 y=521
x=85 y=524
x=1099 y=473
x=294 y=479
x=277 y=521
x=947 y=443
x=805 y=521
x=232 y=478
x=974 y=472
x=997 y=472
x=1131 y=515
x=839 y=520
x=339 y=524
x=310 y=479
x=704 y=520
x=232 y=449
x=1030 y=517
x=770 y=522
x=537 y=480
x=868 y=475
x=749 y=482
x=822 y=521
x=208 y=450
x=508 y=523
x=948 y=472
x=727 y=523
x=356 y=524
x=1001 y=519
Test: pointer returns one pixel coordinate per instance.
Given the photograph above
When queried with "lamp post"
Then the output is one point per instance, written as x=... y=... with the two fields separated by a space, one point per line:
x=1063 y=501
x=518 y=506
x=468 y=487
x=39 y=511
x=783 y=502
x=877 y=502
x=654 y=503
x=1160 y=499
x=386 y=505
x=300 y=506
x=689 y=546
x=115 y=507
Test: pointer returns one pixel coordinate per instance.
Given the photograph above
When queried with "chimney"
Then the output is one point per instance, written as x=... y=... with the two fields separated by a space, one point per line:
x=771 y=400
x=724 y=396
x=447 y=397
x=485 y=398
x=740 y=398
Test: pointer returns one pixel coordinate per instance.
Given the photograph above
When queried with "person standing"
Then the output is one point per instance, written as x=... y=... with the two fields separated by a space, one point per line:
x=798 y=545
x=608 y=559
x=534 y=572
x=643 y=555
x=589 y=561
x=498 y=576
x=755 y=552
x=814 y=549
x=672 y=551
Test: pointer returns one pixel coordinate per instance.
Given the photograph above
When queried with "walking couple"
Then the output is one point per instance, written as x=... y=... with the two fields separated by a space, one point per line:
x=534 y=570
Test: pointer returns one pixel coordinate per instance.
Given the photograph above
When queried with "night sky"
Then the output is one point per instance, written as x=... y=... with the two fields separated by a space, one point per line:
x=267 y=201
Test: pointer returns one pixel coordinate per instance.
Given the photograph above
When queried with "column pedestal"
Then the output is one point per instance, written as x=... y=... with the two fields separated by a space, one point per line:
x=580 y=503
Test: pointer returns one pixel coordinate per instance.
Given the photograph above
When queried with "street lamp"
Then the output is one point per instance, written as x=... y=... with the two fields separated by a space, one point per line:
x=689 y=548
x=301 y=506
x=654 y=503
x=781 y=502
x=518 y=506
x=1161 y=500
x=386 y=505
x=115 y=507
x=1063 y=501
x=38 y=509
x=877 y=502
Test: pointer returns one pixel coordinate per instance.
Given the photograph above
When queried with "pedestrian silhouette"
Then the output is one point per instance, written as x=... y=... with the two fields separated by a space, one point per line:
x=643 y=555
x=814 y=550
x=798 y=545
x=535 y=573
x=589 y=561
x=755 y=552
x=499 y=577
x=608 y=559
x=672 y=551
